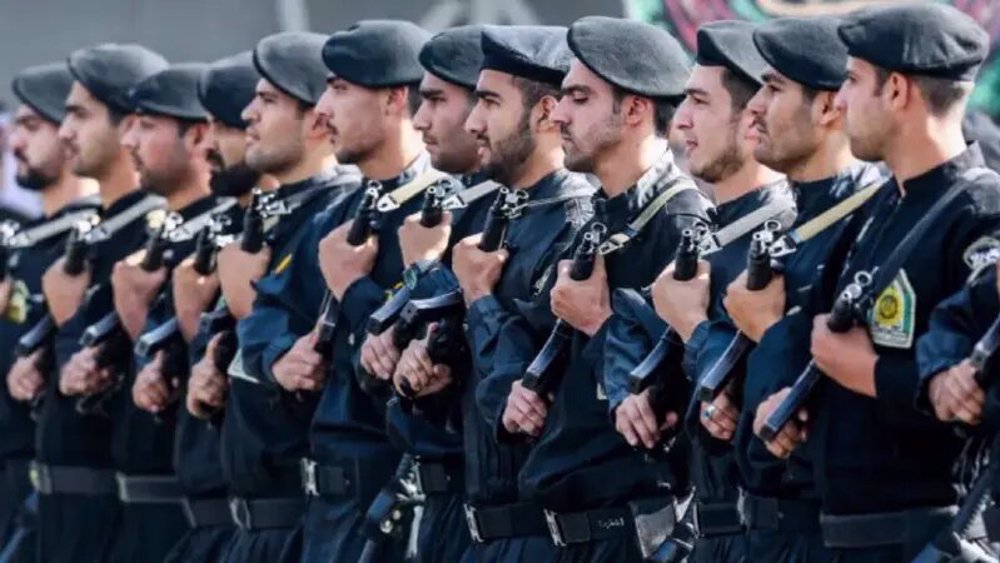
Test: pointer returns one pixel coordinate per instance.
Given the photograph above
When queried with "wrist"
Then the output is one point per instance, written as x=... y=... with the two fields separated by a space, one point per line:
x=595 y=325
x=686 y=327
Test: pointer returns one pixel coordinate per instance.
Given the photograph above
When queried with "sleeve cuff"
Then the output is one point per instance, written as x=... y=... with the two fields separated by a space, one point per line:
x=896 y=381
x=486 y=307
x=274 y=351
x=692 y=349
x=360 y=300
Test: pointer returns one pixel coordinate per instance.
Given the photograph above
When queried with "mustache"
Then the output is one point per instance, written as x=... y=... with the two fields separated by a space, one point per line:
x=215 y=157
x=19 y=155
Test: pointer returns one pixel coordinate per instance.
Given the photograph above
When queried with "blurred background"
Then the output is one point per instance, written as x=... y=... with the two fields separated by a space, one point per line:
x=40 y=31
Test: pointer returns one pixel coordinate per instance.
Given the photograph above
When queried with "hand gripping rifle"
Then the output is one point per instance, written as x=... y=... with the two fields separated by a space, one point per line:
x=685 y=269
x=546 y=370
x=361 y=229
x=759 y=275
x=841 y=319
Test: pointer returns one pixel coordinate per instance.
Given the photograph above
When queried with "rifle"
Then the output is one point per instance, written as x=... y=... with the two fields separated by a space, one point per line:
x=841 y=319
x=8 y=229
x=390 y=515
x=388 y=314
x=759 y=275
x=361 y=229
x=685 y=269
x=950 y=543
x=108 y=332
x=546 y=370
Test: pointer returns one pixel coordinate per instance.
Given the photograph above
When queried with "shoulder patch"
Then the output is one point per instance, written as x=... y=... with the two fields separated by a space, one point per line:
x=980 y=254
x=893 y=318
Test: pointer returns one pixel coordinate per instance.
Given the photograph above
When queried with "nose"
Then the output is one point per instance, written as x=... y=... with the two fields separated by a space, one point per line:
x=475 y=123
x=682 y=117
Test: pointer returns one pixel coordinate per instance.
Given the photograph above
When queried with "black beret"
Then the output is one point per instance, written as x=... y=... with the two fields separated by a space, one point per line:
x=377 y=53
x=172 y=93
x=534 y=52
x=44 y=88
x=291 y=62
x=806 y=50
x=227 y=87
x=729 y=43
x=455 y=55
x=926 y=39
x=634 y=56
x=109 y=71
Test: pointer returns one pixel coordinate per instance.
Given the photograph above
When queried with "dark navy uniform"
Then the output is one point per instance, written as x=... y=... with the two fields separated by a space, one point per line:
x=263 y=432
x=881 y=455
x=79 y=527
x=629 y=339
x=141 y=445
x=27 y=307
x=348 y=433
x=580 y=463
x=774 y=363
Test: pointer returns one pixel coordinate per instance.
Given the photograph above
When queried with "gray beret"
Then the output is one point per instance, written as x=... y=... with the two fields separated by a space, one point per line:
x=806 y=50
x=377 y=53
x=172 y=93
x=534 y=52
x=926 y=39
x=455 y=55
x=44 y=88
x=291 y=62
x=729 y=43
x=634 y=56
x=109 y=71
x=227 y=87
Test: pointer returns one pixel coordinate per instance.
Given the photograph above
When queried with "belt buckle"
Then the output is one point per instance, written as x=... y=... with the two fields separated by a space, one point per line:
x=239 y=509
x=122 y=480
x=40 y=477
x=309 y=482
x=552 y=519
x=472 y=518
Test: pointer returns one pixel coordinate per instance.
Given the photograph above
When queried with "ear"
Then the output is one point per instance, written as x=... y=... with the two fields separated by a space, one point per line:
x=825 y=110
x=196 y=135
x=313 y=124
x=898 y=91
x=542 y=115
x=397 y=101
x=125 y=124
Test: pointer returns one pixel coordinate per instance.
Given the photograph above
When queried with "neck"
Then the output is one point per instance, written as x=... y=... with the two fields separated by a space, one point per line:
x=627 y=162
x=392 y=156
x=541 y=163
x=926 y=147
x=750 y=177
x=66 y=190
x=315 y=161
x=188 y=192
x=832 y=157
x=267 y=183
x=118 y=181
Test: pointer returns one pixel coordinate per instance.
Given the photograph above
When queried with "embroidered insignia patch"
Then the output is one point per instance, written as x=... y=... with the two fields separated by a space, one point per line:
x=894 y=315
x=980 y=254
x=17 y=303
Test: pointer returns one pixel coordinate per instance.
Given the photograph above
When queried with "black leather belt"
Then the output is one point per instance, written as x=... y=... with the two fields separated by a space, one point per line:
x=717 y=519
x=778 y=514
x=325 y=480
x=991 y=522
x=438 y=478
x=206 y=512
x=72 y=480
x=148 y=489
x=488 y=523
x=881 y=529
x=256 y=514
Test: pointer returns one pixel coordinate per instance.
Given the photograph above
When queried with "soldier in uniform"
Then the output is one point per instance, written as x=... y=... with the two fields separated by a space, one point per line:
x=517 y=89
x=614 y=115
x=800 y=133
x=263 y=430
x=716 y=126
x=885 y=471
x=78 y=494
x=168 y=146
x=225 y=88
x=43 y=167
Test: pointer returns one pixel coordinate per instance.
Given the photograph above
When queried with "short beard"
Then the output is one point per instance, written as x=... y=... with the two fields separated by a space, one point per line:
x=600 y=137
x=234 y=181
x=35 y=180
x=724 y=166
x=278 y=160
x=510 y=153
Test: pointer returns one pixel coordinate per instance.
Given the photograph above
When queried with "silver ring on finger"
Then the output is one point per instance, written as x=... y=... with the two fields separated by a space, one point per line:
x=709 y=412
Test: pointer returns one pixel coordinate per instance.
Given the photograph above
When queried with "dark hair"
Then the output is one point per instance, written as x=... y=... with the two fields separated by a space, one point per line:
x=115 y=115
x=663 y=110
x=532 y=91
x=741 y=89
x=941 y=94
x=413 y=98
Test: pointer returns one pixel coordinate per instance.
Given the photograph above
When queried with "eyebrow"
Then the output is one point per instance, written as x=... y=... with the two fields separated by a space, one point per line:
x=696 y=92
x=26 y=119
x=486 y=94
x=576 y=89
x=74 y=108
x=771 y=77
x=431 y=92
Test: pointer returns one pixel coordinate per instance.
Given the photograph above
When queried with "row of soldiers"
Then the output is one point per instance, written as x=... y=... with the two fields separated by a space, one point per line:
x=382 y=296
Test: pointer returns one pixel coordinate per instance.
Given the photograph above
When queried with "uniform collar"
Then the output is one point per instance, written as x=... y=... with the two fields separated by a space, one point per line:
x=286 y=191
x=815 y=197
x=197 y=207
x=419 y=164
x=730 y=211
x=123 y=203
x=622 y=207
x=938 y=179
x=548 y=186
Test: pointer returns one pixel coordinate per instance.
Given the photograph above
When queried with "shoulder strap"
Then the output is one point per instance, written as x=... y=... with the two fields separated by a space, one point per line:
x=620 y=239
x=49 y=229
x=714 y=242
x=190 y=229
x=105 y=229
x=399 y=196
x=790 y=241
x=885 y=273
x=463 y=198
